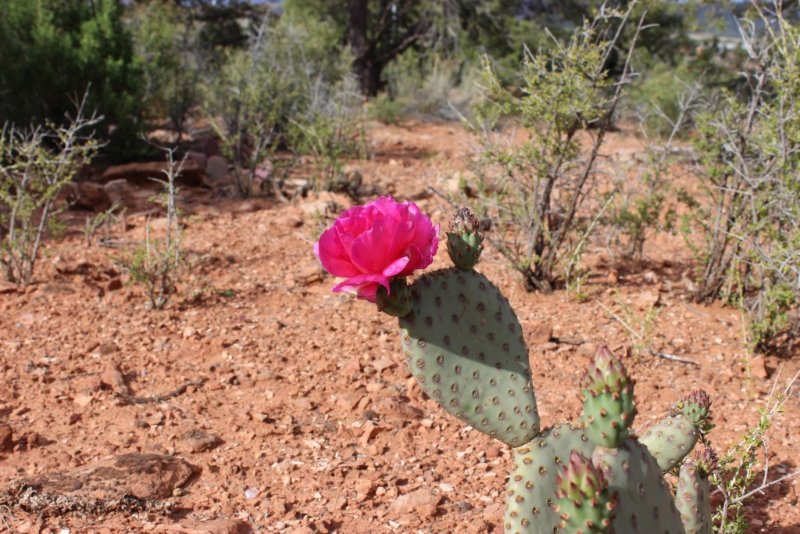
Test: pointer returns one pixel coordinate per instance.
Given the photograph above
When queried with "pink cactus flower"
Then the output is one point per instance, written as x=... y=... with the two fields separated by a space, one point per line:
x=371 y=244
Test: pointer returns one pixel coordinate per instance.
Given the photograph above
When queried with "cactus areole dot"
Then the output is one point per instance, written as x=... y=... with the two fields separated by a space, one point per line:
x=373 y=244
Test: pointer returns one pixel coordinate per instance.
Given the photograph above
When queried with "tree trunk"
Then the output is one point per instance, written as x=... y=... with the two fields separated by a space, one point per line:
x=365 y=65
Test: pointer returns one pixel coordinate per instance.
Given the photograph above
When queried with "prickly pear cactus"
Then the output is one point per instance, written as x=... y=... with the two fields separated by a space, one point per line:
x=466 y=349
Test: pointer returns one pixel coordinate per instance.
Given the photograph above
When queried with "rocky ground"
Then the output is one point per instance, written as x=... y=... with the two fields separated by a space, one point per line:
x=261 y=401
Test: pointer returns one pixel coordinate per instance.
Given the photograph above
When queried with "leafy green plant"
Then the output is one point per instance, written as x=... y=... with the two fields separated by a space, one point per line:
x=157 y=264
x=534 y=190
x=166 y=44
x=35 y=165
x=51 y=51
x=285 y=78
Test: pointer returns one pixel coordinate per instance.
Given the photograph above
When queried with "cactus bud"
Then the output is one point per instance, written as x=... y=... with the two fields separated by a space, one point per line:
x=705 y=460
x=398 y=301
x=584 y=503
x=608 y=408
x=464 y=240
x=696 y=406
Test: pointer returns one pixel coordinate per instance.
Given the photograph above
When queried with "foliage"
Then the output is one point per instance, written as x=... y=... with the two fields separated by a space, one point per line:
x=747 y=233
x=286 y=88
x=428 y=86
x=166 y=48
x=51 y=51
x=533 y=190
x=640 y=194
x=158 y=262
x=35 y=165
x=737 y=474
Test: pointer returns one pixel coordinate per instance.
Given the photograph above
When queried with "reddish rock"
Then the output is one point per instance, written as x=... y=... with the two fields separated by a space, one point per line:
x=200 y=441
x=421 y=502
x=217 y=526
x=6 y=438
x=143 y=476
x=142 y=173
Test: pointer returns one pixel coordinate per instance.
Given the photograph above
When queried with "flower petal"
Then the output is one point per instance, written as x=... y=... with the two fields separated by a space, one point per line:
x=365 y=285
x=333 y=254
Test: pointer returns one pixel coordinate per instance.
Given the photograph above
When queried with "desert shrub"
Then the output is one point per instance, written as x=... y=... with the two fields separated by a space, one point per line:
x=739 y=475
x=51 y=51
x=166 y=48
x=329 y=129
x=157 y=263
x=643 y=198
x=746 y=231
x=286 y=88
x=35 y=165
x=428 y=86
x=534 y=190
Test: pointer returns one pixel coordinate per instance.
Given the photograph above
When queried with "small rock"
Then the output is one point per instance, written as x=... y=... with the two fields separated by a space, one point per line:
x=189 y=332
x=758 y=367
x=6 y=438
x=114 y=284
x=107 y=347
x=143 y=476
x=651 y=277
x=363 y=489
x=421 y=502
x=217 y=526
x=541 y=333
x=216 y=168
x=370 y=431
x=646 y=300
x=201 y=441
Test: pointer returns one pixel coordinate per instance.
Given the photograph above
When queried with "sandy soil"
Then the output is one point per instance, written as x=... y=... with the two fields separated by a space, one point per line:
x=320 y=427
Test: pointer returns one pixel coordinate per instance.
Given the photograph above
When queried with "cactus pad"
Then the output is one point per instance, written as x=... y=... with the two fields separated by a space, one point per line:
x=531 y=496
x=584 y=502
x=466 y=350
x=670 y=440
x=608 y=408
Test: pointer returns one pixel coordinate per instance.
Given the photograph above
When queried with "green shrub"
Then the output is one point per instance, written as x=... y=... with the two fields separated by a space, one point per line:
x=166 y=49
x=35 y=165
x=534 y=190
x=51 y=51
x=287 y=88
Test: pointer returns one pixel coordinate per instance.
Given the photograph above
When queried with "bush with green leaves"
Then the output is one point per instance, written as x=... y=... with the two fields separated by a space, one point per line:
x=746 y=229
x=285 y=89
x=534 y=190
x=51 y=51
x=35 y=165
x=166 y=45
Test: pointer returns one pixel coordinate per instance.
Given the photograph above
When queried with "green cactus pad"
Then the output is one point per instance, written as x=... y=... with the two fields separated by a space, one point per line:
x=644 y=499
x=670 y=440
x=531 y=496
x=584 y=502
x=398 y=303
x=608 y=408
x=466 y=350
x=692 y=498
